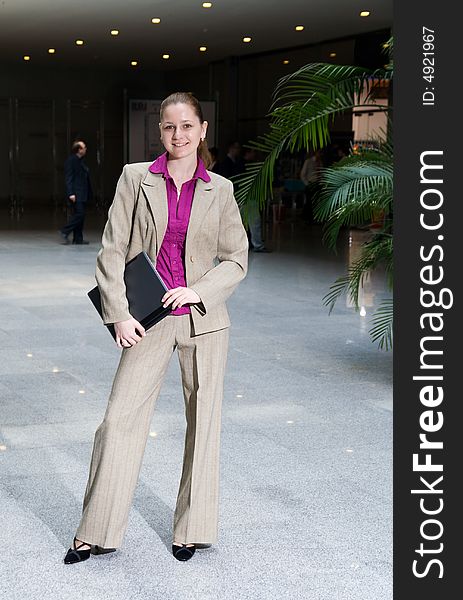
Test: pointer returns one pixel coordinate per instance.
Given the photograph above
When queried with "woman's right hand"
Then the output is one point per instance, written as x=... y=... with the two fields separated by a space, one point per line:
x=127 y=332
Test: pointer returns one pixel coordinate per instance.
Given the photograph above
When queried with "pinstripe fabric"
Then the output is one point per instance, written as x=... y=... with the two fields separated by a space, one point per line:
x=120 y=439
x=137 y=220
x=216 y=260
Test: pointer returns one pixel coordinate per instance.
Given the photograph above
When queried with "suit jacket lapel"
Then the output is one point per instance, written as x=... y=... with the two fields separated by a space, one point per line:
x=155 y=191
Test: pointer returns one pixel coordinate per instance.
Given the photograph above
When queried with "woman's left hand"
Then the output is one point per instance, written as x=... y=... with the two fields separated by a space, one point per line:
x=179 y=296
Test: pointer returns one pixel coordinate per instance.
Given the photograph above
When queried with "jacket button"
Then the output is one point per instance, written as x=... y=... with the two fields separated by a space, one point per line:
x=192 y=259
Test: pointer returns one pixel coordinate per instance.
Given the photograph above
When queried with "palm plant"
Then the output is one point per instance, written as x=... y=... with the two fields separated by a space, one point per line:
x=353 y=192
x=304 y=103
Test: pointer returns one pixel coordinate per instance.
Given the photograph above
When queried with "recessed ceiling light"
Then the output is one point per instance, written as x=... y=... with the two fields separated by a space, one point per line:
x=332 y=54
x=79 y=42
x=156 y=20
x=365 y=13
x=247 y=39
x=27 y=58
x=202 y=48
x=286 y=62
x=134 y=63
x=166 y=56
x=207 y=4
x=51 y=50
x=114 y=31
x=299 y=27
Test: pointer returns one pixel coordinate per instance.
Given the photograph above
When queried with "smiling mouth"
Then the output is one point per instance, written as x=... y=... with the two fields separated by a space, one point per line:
x=180 y=145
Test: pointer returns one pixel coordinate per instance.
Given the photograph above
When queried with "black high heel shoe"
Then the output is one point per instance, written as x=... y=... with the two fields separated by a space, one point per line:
x=75 y=555
x=183 y=552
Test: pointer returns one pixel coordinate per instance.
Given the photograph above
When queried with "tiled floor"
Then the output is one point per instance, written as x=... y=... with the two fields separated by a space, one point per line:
x=306 y=460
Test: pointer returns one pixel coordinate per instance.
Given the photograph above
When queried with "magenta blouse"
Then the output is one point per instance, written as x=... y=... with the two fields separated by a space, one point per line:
x=170 y=261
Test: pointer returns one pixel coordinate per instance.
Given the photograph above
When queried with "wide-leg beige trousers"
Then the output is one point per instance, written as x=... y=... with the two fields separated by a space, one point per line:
x=120 y=439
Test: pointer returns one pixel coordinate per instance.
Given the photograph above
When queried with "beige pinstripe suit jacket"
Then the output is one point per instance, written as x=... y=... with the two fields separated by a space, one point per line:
x=216 y=245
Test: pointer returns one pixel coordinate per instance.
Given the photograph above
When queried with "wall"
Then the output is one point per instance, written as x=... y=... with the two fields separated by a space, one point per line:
x=41 y=110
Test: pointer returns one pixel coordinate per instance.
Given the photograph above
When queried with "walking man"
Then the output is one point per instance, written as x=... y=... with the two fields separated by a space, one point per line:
x=78 y=192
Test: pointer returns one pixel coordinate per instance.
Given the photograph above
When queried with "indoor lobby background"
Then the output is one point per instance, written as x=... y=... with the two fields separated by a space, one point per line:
x=306 y=496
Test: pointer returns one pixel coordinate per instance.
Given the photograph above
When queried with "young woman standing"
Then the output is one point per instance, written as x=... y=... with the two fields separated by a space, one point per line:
x=187 y=220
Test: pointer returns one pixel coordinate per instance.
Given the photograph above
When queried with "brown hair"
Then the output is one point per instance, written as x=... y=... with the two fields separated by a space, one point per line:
x=188 y=98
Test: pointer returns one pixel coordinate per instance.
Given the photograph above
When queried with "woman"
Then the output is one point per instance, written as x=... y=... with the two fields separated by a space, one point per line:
x=187 y=220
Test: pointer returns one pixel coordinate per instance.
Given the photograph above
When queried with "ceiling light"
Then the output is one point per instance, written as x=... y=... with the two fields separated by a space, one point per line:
x=51 y=50
x=114 y=31
x=202 y=48
x=286 y=62
x=79 y=42
x=365 y=13
x=156 y=20
x=332 y=54
x=27 y=58
x=166 y=56
x=299 y=27
x=207 y=4
x=134 y=63
x=246 y=39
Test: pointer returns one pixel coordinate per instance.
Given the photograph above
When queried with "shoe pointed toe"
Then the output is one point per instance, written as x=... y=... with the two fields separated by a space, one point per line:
x=74 y=554
x=183 y=552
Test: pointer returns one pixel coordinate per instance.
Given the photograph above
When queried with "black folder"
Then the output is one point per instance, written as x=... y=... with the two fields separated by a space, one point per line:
x=144 y=290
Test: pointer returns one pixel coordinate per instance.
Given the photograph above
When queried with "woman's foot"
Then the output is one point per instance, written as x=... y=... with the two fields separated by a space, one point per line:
x=78 y=552
x=183 y=551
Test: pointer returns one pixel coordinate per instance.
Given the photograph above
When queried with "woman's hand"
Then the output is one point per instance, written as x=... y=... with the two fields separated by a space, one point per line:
x=126 y=333
x=179 y=296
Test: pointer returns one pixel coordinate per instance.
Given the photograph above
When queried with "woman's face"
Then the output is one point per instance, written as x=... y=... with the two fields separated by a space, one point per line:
x=181 y=130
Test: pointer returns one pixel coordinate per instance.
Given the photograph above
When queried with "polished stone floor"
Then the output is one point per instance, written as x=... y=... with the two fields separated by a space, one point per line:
x=306 y=455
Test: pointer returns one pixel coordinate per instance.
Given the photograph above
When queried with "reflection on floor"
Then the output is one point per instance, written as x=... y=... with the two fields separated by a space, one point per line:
x=306 y=462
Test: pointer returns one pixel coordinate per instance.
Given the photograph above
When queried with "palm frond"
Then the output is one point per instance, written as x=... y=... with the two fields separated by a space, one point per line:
x=377 y=251
x=382 y=320
x=352 y=193
x=311 y=97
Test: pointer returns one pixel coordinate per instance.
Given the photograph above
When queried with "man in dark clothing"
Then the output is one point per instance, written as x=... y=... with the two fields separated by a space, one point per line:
x=78 y=192
x=232 y=164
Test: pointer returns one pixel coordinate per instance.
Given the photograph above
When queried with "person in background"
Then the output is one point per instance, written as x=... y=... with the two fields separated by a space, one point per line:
x=232 y=164
x=214 y=152
x=255 y=221
x=78 y=192
x=340 y=153
x=310 y=174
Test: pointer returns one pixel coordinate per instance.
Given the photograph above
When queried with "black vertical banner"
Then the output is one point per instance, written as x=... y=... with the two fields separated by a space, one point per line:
x=428 y=231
